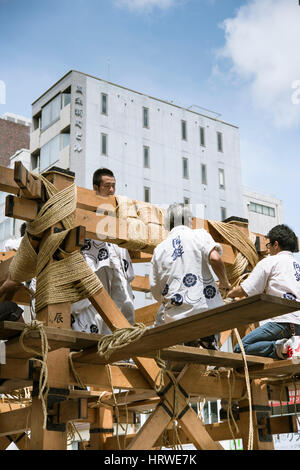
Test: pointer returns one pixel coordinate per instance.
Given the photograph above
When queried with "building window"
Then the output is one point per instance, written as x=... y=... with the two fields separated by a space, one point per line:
x=65 y=140
x=104 y=144
x=146 y=152
x=147 y=194
x=221 y=178
x=220 y=141
x=66 y=99
x=183 y=130
x=145 y=117
x=51 y=112
x=185 y=168
x=202 y=136
x=203 y=174
x=223 y=213
x=103 y=103
x=50 y=152
x=261 y=209
x=186 y=201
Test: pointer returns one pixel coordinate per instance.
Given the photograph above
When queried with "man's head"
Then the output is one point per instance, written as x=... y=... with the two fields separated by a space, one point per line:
x=104 y=182
x=282 y=238
x=178 y=214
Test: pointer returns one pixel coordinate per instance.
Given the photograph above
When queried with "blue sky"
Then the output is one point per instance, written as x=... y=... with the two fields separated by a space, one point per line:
x=235 y=57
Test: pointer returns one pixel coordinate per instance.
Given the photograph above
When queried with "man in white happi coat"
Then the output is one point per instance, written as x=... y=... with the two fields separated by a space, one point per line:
x=180 y=275
x=113 y=266
x=279 y=275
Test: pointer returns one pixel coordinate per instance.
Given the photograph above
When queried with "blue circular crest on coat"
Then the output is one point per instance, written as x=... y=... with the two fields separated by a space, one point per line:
x=87 y=244
x=103 y=254
x=166 y=290
x=289 y=296
x=189 y=280
x=94 y=329
x=209 y=292
x=177 y=300
x=126 y=264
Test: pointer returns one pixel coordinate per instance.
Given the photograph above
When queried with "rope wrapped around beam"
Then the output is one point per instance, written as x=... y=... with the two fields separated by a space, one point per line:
x=66 y=280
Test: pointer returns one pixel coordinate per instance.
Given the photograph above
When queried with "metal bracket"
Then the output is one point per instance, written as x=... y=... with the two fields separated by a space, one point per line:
x=264 y=427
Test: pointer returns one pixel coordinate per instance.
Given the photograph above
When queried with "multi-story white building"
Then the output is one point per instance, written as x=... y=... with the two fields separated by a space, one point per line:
x=159 y=152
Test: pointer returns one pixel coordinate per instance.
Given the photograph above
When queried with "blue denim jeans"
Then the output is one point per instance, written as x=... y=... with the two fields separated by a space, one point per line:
x=261 y=341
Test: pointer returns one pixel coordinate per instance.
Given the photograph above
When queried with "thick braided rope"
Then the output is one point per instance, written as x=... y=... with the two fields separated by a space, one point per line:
x=43 y=353
x=67 y=280
x=120 y=338
x=60 y=207
x=238 y=239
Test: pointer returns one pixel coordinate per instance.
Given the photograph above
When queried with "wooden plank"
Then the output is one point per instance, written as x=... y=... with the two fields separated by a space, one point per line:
x=276 y=368
x=151 y=430
x=14 y=422
x=122 y=377
x=21 y=208
x=187 y=354
x=141 y=284
x=140 y=256
x=147 y=314
x=16 y=369
x=209 y=322
x=7 y=182
x=30 y=187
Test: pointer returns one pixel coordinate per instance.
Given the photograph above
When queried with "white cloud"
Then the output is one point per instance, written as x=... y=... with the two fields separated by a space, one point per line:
x=262 y=43
x=145 y=5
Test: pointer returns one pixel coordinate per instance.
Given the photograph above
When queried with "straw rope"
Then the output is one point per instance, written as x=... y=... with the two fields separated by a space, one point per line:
x=121 y=337
x=43 y=353
x=68 y=280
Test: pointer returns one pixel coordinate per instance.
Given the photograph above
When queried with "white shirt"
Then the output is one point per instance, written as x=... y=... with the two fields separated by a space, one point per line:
x=277 y=275
x=99 y=254
x=12 y=244
x=180 y=276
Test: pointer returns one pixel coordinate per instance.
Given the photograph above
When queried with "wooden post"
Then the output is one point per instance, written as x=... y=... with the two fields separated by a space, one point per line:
x=54 y=437
x=262 y=439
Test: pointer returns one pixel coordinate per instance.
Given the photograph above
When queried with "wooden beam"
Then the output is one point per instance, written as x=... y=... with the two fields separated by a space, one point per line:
x=7 y=182
x=276 y=368
x=151 y=430
x=16 y=421
x=141 y=284
x=187 y=354
x=16 y=369
x=30 y=186
x=212 y=321
x=147 y=314
x=122 y=377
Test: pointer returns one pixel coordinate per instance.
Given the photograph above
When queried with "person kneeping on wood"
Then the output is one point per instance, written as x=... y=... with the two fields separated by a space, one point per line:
x=279 y=275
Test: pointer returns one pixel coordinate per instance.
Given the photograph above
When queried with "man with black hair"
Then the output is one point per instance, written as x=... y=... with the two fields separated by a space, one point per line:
x=279 y=275
x=113 y=266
